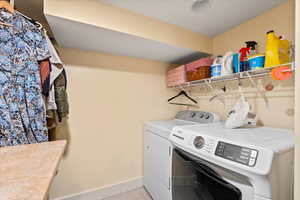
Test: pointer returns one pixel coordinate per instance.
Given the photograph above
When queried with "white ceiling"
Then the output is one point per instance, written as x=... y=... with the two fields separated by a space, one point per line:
x=73 y=34
x=221 y=16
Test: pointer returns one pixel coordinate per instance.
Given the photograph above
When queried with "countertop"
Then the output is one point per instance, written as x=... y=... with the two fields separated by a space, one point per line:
x=27 y=171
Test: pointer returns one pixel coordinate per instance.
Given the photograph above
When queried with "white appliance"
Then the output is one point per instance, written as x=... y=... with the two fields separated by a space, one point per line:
x=215 y=163
x=158 y=150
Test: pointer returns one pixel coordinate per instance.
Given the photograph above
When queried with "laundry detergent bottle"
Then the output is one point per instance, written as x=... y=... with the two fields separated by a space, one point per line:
x=227 y=64
x=216 y=67
x=277 y=50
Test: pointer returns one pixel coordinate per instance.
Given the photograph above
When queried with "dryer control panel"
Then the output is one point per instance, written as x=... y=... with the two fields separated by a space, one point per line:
x=242 y=155
x=200 y=117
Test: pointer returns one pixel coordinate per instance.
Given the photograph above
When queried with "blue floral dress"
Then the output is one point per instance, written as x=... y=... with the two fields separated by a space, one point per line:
x=22 y=109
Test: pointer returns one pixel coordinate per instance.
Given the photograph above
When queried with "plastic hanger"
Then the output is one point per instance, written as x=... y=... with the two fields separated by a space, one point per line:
x=240 y=87
x=216 y=94
x=5 y=24
x=7 y=6
x=262 y=94
x=182 y=92
x=36 y=23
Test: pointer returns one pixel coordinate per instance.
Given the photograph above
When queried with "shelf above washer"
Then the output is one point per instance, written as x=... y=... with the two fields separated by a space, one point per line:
x=258 y=73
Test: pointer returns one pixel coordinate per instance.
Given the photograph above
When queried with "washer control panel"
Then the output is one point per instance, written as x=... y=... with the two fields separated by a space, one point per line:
x=239 y=154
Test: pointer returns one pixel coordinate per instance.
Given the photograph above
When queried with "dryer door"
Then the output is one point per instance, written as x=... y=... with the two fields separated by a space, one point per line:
x=194 y=179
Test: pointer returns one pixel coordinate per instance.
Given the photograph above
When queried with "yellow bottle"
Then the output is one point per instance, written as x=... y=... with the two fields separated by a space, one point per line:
x=277 y=50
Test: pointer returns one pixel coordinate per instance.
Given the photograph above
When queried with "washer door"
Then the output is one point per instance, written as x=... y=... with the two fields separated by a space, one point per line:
x=193 y=179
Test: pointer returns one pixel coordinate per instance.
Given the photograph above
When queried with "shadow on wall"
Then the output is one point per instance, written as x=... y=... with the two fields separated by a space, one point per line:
x=111 y=62
x=61 y=132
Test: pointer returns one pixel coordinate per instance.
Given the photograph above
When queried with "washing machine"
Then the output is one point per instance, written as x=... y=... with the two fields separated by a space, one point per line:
x=158 y=150
x=216 y=163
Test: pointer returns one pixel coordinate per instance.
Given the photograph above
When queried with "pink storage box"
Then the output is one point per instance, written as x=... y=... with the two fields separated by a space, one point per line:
x=193 y=66
x=176 y=76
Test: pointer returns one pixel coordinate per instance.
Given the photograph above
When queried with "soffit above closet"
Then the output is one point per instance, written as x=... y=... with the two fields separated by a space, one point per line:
x=221 y=16
x=73 y=34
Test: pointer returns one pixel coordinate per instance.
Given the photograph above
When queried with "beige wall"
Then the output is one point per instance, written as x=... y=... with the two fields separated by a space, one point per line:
x=280 y=19
x=280 y=110
x=110 y=99
x=278 y=113
x=297 y=120
x=111 y=17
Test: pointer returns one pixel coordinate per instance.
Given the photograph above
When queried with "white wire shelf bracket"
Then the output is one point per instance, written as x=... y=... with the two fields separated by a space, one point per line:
x=242 y=75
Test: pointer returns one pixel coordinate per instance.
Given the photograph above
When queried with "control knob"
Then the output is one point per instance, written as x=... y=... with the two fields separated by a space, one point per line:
x=193 y=114
x=199 y=142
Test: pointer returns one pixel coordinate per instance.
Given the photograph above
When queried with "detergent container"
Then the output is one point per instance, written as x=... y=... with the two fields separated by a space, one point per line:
x=227 y=64
x=244 y=53
x=277 y=50
x=236 y=63
x=244 y=66
x=256 y=61
x=216 y=67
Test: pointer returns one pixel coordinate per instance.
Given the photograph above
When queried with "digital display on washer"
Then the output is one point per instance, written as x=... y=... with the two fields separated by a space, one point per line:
x=243 y=155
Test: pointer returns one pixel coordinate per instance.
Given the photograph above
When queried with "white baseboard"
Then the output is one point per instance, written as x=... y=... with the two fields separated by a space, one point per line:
x=106 y=191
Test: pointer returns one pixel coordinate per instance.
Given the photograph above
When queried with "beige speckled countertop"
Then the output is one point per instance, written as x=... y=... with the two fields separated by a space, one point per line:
x=26 y=171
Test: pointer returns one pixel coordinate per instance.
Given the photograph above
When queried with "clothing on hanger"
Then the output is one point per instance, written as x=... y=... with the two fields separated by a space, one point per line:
x=61 y=96
x=45 y=70
x=22 y=109
x=57 y=101
x=56 y=70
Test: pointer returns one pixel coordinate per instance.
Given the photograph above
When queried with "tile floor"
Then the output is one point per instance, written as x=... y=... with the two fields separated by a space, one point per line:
x=138 y=194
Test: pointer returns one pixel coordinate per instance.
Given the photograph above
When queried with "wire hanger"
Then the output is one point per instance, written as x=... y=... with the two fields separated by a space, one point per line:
x=183 y=93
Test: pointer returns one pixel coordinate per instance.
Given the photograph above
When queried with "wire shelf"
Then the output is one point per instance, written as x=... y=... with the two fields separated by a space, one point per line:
x=242 y=75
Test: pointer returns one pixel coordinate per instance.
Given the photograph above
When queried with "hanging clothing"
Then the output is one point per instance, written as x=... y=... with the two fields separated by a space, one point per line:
x=57 y=101
x=45 y=70
x=22 y=110
x=61 y=101
x=61 y=96
x=52 y=115
x=55 y=72
x=57 y=68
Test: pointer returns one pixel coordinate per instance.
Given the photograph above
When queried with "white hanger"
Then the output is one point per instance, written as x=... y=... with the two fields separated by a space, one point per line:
x=262 y=94
x=216 y=95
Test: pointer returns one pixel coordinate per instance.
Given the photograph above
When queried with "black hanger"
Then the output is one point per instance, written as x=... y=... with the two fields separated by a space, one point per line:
x=182 y=92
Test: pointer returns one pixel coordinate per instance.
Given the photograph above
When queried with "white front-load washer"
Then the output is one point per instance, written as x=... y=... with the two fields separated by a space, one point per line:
x=216 y=163
x=158 y=150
